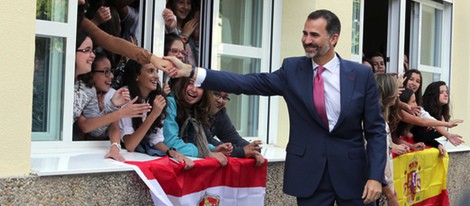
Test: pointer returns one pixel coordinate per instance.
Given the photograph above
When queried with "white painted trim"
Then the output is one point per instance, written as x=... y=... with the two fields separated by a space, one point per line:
x=91 y=160
x=396 y=42
x=275 y=64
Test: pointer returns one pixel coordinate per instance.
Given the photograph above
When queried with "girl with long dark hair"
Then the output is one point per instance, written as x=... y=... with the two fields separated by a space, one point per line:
x=144 y=134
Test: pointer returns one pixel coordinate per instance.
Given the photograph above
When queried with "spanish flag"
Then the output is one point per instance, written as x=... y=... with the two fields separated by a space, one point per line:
x=420 y=178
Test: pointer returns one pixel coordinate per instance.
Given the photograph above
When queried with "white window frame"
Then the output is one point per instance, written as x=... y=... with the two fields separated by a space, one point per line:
x=358 y=57
x=268 y=106
x=446 y=33
x=68 y=30
x=396 y=42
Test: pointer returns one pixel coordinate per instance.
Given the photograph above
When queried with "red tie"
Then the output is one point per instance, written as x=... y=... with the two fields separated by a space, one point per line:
x=319 y=95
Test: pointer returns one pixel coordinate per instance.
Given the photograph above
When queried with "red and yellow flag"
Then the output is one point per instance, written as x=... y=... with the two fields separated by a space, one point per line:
x=420 y=178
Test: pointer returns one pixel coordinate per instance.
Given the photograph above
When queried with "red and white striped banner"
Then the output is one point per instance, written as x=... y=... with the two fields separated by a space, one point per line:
x=240 y=182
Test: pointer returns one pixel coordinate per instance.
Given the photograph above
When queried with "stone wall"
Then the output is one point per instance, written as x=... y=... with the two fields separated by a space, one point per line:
x=126 y=188
x=119 y=188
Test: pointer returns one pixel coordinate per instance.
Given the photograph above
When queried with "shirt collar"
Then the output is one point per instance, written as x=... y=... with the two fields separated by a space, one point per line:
x=332 y=65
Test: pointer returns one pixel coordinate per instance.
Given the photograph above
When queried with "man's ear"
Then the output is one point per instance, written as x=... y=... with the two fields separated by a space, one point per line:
x=334 y=39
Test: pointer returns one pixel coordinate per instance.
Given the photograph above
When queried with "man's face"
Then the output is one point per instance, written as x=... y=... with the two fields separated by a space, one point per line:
x=316 y=40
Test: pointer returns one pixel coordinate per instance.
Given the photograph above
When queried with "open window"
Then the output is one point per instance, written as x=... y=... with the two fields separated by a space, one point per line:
x=420 y=29
x=235 y=36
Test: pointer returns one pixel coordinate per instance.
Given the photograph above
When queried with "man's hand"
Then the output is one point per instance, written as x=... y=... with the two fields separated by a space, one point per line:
x=372 y=191
x=181 y=70
x=162 y=64
x=114 y=153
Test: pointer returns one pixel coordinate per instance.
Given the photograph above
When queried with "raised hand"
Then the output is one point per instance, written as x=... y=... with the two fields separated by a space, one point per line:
x=121 y=97
x=158 y=104
x=166 y=89
x=102 y=15
x=190 y=26
x=170 y=19
x=133 y=109
x=454 y=122
x=455 y=139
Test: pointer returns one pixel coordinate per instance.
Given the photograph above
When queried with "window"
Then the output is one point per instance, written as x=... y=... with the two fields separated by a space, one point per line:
x=430 y=40
x=53 y=74
x=54 y=71
x=241 y=43
x=356 y=34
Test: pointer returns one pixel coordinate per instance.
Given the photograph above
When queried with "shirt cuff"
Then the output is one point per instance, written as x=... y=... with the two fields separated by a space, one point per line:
x=200 y=77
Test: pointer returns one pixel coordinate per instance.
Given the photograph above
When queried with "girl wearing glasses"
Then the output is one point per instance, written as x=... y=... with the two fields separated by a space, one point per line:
x=188 y=119
x=86 y=101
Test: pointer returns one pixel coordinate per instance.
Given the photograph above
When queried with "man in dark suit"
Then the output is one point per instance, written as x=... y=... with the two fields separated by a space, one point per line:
x=328 y=159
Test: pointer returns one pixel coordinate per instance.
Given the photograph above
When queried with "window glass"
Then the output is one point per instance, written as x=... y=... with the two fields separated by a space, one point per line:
x=356 y=27
x=428 y=78
x=241 y=22
x=431 y=36
x=47 y=88
x=52 y=10
x=243 y=109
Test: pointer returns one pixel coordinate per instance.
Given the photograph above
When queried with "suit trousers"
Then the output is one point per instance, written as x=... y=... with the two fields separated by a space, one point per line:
x=325 y=195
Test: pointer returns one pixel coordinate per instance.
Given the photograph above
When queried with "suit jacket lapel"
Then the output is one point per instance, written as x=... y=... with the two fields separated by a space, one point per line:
x=347 y=83
x=306 y=81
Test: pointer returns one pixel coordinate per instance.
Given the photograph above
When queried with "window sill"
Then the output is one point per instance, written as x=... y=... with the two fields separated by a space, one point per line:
x=451 y=148
x=93 y=161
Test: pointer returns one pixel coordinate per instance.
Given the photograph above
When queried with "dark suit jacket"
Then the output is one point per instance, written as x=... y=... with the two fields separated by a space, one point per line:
x=312 y=149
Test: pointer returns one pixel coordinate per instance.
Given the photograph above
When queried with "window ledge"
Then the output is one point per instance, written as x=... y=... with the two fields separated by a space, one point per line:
x=93 y=161
x=451 y=148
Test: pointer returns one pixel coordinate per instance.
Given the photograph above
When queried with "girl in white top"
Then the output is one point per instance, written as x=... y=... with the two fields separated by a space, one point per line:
x=145 y=134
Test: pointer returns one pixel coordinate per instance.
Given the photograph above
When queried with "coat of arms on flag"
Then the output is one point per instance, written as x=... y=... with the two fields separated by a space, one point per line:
x=240 y=182
x=420 y=178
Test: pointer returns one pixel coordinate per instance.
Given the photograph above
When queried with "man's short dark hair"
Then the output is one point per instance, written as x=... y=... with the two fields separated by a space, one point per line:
x=333 y=25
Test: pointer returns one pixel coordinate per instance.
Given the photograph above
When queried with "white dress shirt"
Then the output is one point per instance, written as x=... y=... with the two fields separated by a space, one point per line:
x=332 y=89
